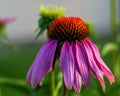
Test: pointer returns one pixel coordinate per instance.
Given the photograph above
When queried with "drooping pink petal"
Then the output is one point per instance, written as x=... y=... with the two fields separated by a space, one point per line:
x=101 y=80
x=83 y=63
x=77 y=77
x=94 y=68
x=77 y=81
x=101 y=63
x=42 y=64
x=67 y=64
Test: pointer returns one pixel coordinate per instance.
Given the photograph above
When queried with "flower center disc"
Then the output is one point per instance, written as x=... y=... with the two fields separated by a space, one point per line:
x=68 y=28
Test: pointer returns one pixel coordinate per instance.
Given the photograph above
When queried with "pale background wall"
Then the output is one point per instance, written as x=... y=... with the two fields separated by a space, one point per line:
x=27 y=14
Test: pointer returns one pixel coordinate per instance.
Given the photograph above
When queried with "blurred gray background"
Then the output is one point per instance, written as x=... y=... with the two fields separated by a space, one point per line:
x=27 y=15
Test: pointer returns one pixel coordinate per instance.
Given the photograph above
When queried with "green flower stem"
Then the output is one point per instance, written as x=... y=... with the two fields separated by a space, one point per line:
x=116 y=67
x=113 y=20
x=65 y=91
x=3 y=31
x=52 y=83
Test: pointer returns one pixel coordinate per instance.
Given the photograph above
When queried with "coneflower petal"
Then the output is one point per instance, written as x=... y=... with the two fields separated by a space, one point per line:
x=42 y=63
x=77 y=82
x=93 y=66
x=67 y=64
x=83 y=63
x=77 y=77
x=101 y=63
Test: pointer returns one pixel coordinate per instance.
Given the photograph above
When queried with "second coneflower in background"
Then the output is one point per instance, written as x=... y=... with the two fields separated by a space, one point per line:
x=3 y=22
x=77 y=55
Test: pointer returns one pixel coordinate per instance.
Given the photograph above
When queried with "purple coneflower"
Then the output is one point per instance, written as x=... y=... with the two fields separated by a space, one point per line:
x=78 y=56
x=3 y=22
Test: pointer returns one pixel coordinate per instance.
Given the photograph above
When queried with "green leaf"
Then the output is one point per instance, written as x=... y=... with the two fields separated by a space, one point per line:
x=109 y=47
x=39 y=33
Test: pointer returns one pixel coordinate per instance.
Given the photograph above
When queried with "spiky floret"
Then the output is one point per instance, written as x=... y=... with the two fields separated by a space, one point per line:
x=68 y=28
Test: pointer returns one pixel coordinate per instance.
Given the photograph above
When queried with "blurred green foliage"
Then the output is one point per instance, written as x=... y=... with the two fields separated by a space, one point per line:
x=91 y=28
